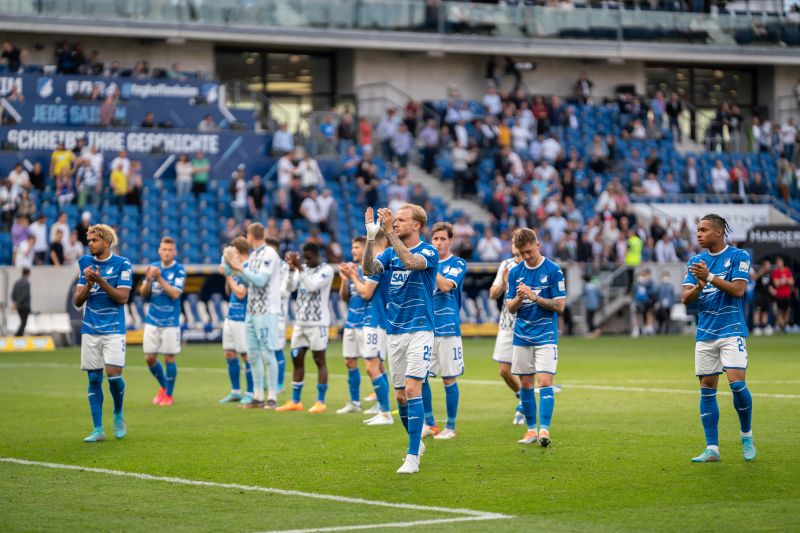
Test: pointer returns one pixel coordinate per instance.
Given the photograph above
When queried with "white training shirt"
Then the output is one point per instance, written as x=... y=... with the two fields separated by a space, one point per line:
x=313 y=286
x=506 y=318
x=266 y=299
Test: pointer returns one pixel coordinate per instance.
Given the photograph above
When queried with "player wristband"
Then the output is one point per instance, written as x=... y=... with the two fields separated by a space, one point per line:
x=710 y=277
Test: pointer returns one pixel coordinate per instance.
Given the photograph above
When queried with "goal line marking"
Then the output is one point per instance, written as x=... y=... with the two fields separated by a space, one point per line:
x=466 y=514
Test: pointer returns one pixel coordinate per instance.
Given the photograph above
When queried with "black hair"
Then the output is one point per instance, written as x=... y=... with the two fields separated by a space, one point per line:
x=311 y=247
x=719 y=221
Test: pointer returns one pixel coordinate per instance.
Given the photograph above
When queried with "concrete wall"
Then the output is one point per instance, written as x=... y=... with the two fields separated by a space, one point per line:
x=429 y=77
x=193 y=55
x=784 y=80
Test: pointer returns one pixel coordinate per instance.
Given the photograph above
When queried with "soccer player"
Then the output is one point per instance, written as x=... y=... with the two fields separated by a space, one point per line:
x=537 y=294
x=448 y=354
x=353 y=336
x=262 y=275
x=716 y=279
x=504 y=345
x=104 y=284
x=373 y=289
x=163 y=286
x=312 y=281
x=282 y=317
x=411 y=266
x=234 y=334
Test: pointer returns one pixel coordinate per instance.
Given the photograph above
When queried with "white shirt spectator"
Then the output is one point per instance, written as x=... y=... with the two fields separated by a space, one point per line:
x=310 y=210
x=283 y=141
x=286 y=171
x=788 y=134
x=39 y=230
x=462 y=135
x=551 y=148
x=325 y=202
x=719 y=180
x=19 y=179
x=73 y=252
x=489 y=248
x=492 y=103
x=536 y=150
x=460 y=157
x=24 y=255
x=184 y=171
x=557 y=226
x=520 y=137
x=517 y=169
x=652 y=189
x=240 y=196
x=124 y=161
x=665 y=252
x=96 y=162
x=387 y=127
x=545 y=172
x=310 y=174
x=64 y=233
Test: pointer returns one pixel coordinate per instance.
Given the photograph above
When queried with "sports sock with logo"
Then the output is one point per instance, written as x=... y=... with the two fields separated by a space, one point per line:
x=172 y=373
x=451 y=401
x=354 y=382
x=743 y=402
x=297 y=391
x=528 y=399
x=415 y=414
x=547 y=401
x=322 y=388
x=709 y=415
x=117 y=386
x=248 y=376
x=95 y=396
x=234 y=373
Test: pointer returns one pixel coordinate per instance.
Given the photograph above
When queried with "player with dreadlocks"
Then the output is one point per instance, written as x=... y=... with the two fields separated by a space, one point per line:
x=716 y=279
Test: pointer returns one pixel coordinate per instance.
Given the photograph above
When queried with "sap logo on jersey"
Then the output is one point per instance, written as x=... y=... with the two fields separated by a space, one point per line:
x=427 y=252
x=399 y=277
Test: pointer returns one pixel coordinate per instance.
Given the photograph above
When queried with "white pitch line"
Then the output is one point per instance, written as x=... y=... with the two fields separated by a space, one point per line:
x=390 y=524
x=568 y=385
x=471 y=513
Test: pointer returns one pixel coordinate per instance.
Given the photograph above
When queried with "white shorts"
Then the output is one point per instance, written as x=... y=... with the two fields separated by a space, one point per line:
x=281 y=333
x=375 y=343
x=166 y=341
x=504 y=346
x=713 y=357
x=100 y=350
x=409 y=356
x=313 y=337
x=527 y=360
x=234 y=336
x=353 y=343
x=448 y=357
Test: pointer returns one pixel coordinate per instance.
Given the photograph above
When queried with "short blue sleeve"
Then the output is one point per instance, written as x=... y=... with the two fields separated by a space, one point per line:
x=431 y=256
x=741 y=266
x=125 y=275
x=81 y=265
x=180 y=279
x=690 y=279
x=457 y=273
x=558 y=285
x=512 y=284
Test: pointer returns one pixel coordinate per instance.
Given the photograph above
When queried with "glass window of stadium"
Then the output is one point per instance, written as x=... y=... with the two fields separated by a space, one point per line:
x=296 y=84
x=703 y=90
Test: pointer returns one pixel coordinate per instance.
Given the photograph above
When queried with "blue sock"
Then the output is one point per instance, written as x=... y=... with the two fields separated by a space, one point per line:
x=402 y=409
x=95 y=395
x=382 y=392
x=297 y=391
x=743 y=403
x=158 y=372
x=547 y=401
x=388 y=387
x=709 y=415
x=415 y=414
x=321 y=390
x=528 y=399
x=281 y=367
x=451 y=400
x=117 y=386
x=427 y=404
x=248 y=377
x=354 y=381
x=234 y=373
x=172 y=373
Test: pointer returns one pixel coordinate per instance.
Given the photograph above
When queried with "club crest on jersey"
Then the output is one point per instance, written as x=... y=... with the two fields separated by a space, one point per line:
x=727 y=263
x=543 y=279
x=399 y=277
x=428 y=252
x=110 y=270
x=170 y=276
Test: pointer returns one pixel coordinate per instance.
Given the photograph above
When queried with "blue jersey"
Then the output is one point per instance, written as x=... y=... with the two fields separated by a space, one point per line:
x=720 y=315
x=409 y=300
x=375 y=311
x=355 y=307
x=103 y=316
x=447 y=305
x=165 y=312
x=535 y=326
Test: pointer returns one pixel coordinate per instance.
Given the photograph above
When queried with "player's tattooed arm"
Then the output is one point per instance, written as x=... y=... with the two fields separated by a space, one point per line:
x=369 y=265
x=551 y=304
x=410 y=261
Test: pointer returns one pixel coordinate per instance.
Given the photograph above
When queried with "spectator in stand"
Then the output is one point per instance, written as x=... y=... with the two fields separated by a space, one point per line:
x=74 y=249
x=350 y=161
x=492 y=103
x=419 y=196
x=39 y=231
x=757 y=187
x=735 y=120
x=287 y=169
x=135 y=185
x=19 y=231
x=368 y=181
x=665 y=250
x=402 y=145
x=665 y=294
x=309 y=172
x=37 y=177
x=671 y=187
x=184 y=171
x=644 y=294
x=88 y=184
x=720 y=177
x=690 y=177
x=108 y=111
x=327 y=129
x=520 y=138
x=652 y=188
x=19 y=177
x=598 y=157
x=754 y=135
x=346 y=131
x=463 y=233
x=200 y=174
x=119 y=185
x=788 y=138
x=674 y=108
x=787 y=179
x=327 y=212
x=310 y=209
x=256 y=193
x=207 y=125
x=551 y=150
x=783 y=283
x=429 y=136
x=9 y=198
x=387 y=128
x=740 y=180
x=282 y=141
x=57 y=249
x=24 y=254
x=653 y=129
x=764 y=292
x=365 y=135
x=61 y=159
x=239 y=194
x=232 y=230
x=21 y=300
x=96 y=159
x=400 y=187
x=122 y=159
x=141 y=70
x=83 y=227
x=287 y=236
x=489 y=247
x=149 y=121
x=174 y=73
x=65 y=190
x=461 y=159
x=583 y=88
x=11 y=57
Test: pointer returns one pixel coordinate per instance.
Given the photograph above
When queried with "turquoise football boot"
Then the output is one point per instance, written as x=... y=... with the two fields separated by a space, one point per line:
x=748 y=448
x=231 y=397
x=120 y=429
x=97 y=436
x=708 y=456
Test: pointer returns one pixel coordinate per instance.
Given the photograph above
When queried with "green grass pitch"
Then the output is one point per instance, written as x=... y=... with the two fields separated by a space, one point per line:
x=624 y=429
